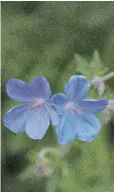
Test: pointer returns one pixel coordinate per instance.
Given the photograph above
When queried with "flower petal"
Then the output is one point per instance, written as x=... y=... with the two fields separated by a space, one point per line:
x=15 y=118
x=40 y=88
x=93 y=105
x=38 y=123
x=18 y=90
x=53 y=115
x=88 y=127
x=59 y=98
x=66 y=128
x=77 y=87
x=60 y=109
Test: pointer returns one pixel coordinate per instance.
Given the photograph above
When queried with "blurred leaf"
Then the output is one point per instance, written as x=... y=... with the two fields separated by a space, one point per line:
x=90 y=69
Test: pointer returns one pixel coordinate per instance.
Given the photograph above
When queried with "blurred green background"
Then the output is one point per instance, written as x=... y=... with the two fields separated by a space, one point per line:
x=40 y=39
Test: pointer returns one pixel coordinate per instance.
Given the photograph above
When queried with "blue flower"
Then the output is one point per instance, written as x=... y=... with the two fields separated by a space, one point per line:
x=35 y=114
x=77 y=116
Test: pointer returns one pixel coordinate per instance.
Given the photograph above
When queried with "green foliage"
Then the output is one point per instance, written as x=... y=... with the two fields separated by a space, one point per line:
x=90 y=69
x=57 y=40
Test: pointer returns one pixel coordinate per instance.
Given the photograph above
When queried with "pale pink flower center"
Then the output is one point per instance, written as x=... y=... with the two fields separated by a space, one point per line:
x=71 y=107
x=39 y=103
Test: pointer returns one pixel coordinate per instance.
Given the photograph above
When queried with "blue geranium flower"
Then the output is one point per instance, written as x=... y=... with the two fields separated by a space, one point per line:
x=77 y=115
x=35 y=114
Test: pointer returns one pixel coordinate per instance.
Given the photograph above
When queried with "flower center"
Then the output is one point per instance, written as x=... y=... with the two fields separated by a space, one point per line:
x=39 y=103
x=74 y=108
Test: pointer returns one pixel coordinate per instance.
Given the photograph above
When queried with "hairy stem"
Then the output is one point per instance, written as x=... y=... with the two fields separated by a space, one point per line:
x=108 y=76
x=59 y=152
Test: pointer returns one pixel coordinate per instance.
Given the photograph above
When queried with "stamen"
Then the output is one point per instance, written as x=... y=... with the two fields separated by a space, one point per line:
x=78 y=111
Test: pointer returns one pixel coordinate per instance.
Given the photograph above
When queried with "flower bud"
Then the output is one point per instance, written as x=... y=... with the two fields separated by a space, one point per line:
x=106 y=115
x=42 y=168
x=98 y=83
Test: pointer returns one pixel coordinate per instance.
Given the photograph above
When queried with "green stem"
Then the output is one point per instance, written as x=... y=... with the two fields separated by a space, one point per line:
x=108 y=76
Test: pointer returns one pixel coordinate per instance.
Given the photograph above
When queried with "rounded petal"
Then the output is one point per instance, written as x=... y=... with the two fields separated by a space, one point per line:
x=60 y=109
x=38 y=123
x=40 y=88
x=66 y=129
x=93 y=105
x=54 y=117
x=77 y=87
x=18 y=90
x=59 y=98
x=88 y=127
x=15 y=118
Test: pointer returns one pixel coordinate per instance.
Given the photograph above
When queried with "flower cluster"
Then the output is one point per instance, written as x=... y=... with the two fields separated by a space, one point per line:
x=72 y=115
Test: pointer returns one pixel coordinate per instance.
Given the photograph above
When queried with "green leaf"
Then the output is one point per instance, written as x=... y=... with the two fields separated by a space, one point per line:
x=90 y=69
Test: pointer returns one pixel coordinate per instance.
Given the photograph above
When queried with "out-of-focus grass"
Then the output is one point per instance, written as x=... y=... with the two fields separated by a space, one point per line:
x=41 y=38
